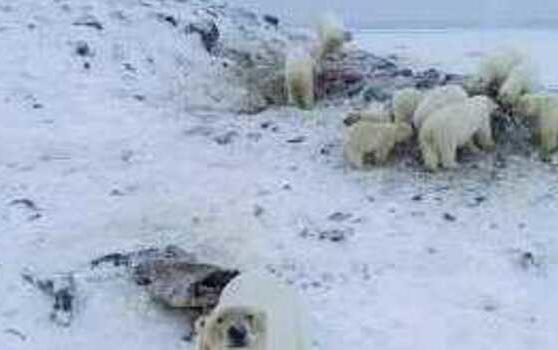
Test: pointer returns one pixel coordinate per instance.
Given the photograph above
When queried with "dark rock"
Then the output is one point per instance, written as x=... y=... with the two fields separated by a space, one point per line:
x=168 y=19
x=37 y=106
x=86 y=65
x=226 y=138
x=338 y=216
x=375 y=93
x=62 y=291
x=83 y=49
x=417 y=197
x=336 y=235
x=258 y=211
x=405 y=72
x=429 y=79
x=25 y=202
x=139 y=97
x=208 y=31
x=449 y=217
x=115 y=259
x=16 y=333
x=272 y=20
x=298 y=139
x=89 y=21
x=528 y=261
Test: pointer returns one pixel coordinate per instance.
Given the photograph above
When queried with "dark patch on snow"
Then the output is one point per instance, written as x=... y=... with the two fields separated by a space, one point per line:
x=62 y=291
x=89 y=21
x=449 y=217
x=339 y=216
x=297 y=139
x=226 y=138
x=271 y=20
x=208 y=31
x=83 y=49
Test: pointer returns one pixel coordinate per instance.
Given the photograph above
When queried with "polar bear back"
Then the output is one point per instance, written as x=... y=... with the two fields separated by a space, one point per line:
x=455 y=124
x=286 y=317
x=435 y=100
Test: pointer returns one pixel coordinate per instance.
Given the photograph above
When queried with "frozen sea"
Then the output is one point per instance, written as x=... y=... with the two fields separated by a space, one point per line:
x=459 y=50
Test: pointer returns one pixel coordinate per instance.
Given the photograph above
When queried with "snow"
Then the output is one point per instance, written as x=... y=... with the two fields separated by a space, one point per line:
x=111 y=172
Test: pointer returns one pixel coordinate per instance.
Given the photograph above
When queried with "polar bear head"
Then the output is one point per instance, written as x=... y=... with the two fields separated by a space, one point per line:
x=238 y=328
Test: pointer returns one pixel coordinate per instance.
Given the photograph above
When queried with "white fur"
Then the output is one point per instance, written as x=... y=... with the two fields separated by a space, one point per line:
x=454 y=126
x=299 y=78
x=544 y=107
x=370 y=137
x=331 y=33
x=521 y=80
x=286 y=326
x=495 y=68
x=435 y=100
x=405 y=103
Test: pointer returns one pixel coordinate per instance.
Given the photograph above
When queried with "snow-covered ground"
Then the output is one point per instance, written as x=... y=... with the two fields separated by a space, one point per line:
x=393 y=258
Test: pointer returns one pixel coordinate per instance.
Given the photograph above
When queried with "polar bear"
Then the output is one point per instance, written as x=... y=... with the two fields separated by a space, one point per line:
x=494 y=69
x=255 y=312
x=299 y=78
x=405 y=103
x=370 y=139
x=454 y=126
x=521 y=80
x=543 y=107
x=331 y=34
x=435 y=100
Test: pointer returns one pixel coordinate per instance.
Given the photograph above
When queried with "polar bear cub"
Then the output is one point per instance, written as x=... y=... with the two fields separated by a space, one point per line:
x=255 y=312
x=372 y=141
x=544 y=107
x=331 y=33
x=435 y=100
x=454 y=126
x=299 y=78
x=405 y=103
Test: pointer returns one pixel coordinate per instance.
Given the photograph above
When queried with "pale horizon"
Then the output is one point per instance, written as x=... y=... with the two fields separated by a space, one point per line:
x=405 y=13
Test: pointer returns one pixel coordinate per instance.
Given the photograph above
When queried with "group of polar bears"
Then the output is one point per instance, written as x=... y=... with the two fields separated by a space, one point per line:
x=447 y=118
x=255 y=312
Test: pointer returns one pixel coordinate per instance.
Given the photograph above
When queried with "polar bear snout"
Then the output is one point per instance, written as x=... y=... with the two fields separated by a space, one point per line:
x=237 y=335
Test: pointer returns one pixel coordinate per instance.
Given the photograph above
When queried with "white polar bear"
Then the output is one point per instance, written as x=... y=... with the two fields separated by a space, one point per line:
x=255 y=312
x=331 y=34
x=299 y=78
x=373 y=139
x=544 y=107
x=436 y=99
x=405 y=103
x=454 y=126
x=494 y=69
x=522 y=80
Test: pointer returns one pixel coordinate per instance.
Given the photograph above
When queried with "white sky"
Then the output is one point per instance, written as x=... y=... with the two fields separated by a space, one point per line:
x=373 y=12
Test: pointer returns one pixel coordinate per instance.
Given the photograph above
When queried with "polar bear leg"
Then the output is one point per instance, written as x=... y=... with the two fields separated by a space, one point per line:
x=355 y=157
x=382 y=155
x=448 y=153
x=429 y=155
x=548 y=142
x=484 y=138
